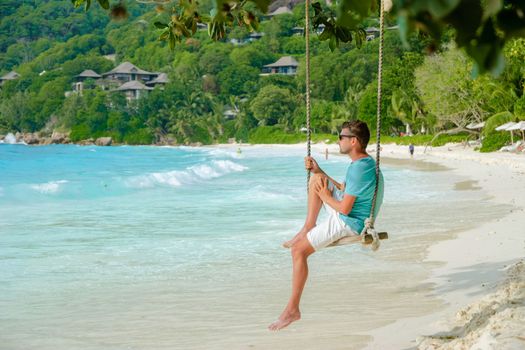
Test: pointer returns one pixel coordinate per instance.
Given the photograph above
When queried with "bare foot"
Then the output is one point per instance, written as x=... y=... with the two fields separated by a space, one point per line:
x=298 y=236
x=284 y=320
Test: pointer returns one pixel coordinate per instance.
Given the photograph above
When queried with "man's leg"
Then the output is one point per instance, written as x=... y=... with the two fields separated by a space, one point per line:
x=300 y=252
x=314 y=207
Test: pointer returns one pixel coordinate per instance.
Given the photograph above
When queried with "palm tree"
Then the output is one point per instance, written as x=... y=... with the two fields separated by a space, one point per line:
x=212 y=123
x=195 y=103
x=347 y=110
x=352 y=98
x=217 y=115
x=180 y=124
x=398 y=104
x=409 y=111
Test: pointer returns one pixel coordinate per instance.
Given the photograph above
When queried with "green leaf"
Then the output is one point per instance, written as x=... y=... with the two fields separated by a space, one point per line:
x=77 y=3
x=184 y=31
x=404 y=28
x=343 y=34
x=360 y=37
x=326 y=34
x=255 y=24
x=164 y=35
x=352 y=12
x=436 y=8
x=491 y=8
x=160 y=25
x=466 y=18
x=441 y=8
x=262 y=5
x=88 y=5
x=434 y=28
x=511 y=23
x=171 y=40
x=332 y=43
x=211 y=28
x=317 y=8
x=104 y=4
x=487 y=51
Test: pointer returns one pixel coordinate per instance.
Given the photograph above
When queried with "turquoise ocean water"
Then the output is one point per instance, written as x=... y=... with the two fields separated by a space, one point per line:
x=175 y=247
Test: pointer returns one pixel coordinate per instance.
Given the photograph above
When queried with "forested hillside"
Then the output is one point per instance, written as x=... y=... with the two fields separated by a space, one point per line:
x=48 y=43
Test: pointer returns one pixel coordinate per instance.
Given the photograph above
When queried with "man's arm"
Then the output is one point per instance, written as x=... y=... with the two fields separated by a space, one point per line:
x=339 y=186
x=311 y=164
x=344 y=206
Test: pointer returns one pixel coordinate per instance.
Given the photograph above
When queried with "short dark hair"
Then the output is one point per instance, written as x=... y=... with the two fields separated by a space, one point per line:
x=360 y=130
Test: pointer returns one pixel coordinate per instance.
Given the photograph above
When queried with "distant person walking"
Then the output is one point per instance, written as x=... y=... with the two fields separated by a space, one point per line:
x=411 y=150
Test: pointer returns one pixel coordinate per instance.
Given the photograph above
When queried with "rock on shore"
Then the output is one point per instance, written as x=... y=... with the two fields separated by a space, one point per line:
x=103 y=141
x=37 y=138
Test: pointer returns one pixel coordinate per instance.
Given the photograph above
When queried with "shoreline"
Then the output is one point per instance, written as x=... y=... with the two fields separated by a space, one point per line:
x=479 y=256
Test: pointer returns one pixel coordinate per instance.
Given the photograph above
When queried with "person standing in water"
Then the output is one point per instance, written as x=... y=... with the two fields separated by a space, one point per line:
x=348 y=205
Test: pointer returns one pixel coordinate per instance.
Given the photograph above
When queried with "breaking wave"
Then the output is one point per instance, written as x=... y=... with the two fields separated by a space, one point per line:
x=49 y=187
x=190 y=175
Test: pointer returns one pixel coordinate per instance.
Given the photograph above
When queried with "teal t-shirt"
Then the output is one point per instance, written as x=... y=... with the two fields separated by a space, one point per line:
x=361 y=182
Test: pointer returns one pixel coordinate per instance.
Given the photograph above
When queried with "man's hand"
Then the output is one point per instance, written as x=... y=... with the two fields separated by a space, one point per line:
x=311 y=164
x=321 y=188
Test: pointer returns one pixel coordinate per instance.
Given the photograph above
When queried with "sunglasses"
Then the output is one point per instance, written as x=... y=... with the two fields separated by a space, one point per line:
x=342 y=136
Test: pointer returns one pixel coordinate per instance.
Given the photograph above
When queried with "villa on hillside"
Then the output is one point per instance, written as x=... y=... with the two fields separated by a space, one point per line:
x=126 y=78
x=160 y=80
x=9 y=76
x=371 y=32
x=133 y=89
x=230 y=113
x=249 y=39
x=300 y=30
x=80 y=79
x=126 y=71
x=286 y=65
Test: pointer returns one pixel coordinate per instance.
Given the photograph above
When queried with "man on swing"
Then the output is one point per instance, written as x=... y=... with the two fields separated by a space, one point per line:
x=348 y=205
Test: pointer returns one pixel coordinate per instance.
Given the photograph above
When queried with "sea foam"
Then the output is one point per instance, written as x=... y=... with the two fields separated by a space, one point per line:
x=225 y=153
x=190 y=175
x=49 y=187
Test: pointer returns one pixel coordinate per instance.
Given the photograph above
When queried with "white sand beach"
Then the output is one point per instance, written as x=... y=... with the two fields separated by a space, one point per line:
x=483 y=278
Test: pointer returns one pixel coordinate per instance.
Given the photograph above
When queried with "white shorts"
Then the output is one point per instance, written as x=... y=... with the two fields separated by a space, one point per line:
x=332 y=229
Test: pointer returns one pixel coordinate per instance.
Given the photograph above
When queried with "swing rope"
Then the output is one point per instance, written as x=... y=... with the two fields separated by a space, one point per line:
x=368 y=230
x=379 y=100
x=308 y=108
